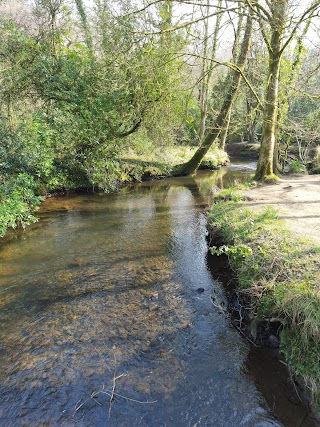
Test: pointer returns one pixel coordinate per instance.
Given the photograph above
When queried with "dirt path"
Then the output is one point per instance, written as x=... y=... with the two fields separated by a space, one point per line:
x=298 y=201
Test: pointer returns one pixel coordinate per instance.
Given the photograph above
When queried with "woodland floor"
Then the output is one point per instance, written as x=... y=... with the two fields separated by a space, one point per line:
x=297 y=200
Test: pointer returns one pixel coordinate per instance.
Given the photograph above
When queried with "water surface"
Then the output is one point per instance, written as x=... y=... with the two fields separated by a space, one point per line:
x=112 y=293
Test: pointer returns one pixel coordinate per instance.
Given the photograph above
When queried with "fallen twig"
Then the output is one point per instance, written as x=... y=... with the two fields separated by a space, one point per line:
x=111 y=393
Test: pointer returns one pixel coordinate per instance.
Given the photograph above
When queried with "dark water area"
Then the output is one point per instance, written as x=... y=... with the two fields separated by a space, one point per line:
x=109 y=295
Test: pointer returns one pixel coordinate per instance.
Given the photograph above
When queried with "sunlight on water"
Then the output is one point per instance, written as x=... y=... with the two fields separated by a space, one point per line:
x=107 y=286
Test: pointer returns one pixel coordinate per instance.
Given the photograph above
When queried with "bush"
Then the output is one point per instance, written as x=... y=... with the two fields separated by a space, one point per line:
x=17 y=202
x=297 y=166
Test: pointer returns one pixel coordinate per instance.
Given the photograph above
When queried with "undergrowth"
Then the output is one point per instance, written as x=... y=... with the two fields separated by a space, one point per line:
x=282 y=277
x=17 y=202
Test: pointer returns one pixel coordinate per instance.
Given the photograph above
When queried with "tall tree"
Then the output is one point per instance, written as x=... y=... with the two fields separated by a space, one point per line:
x=278 y=22
x=235 y=57
x=219 y=123
x=85 y=25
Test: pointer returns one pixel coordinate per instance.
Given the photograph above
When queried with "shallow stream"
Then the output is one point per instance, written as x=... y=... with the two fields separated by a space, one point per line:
x=111 y=295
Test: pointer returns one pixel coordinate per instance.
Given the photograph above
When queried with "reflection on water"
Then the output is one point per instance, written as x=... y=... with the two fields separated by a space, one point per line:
x=107 y=286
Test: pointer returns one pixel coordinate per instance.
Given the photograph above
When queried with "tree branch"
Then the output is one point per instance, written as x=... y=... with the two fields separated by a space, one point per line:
x=186 y=24
x=306 y=15
x=134 y=128
x=233 y=67
x=255 y=7
x=189 y=2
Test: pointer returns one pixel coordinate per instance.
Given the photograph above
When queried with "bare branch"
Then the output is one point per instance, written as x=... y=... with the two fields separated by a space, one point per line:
x=192 y=3
x=256 y=8
x=233 y=67
x=187 y=24
x=306 y=15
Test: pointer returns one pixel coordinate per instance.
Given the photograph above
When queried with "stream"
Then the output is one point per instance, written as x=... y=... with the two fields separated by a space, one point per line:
x=110 y=296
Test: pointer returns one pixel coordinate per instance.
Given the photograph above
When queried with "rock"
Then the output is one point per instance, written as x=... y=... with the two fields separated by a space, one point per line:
x=200 y=290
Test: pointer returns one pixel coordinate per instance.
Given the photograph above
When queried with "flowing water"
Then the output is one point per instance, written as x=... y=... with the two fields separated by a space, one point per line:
x=109 y=295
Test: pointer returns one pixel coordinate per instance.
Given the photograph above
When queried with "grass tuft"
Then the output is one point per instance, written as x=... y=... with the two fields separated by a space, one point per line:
x=228 y=194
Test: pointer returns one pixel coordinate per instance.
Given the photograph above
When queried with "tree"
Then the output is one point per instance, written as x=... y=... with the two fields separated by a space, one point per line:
x=234 y=78
x=209 y=51
x=278 y=26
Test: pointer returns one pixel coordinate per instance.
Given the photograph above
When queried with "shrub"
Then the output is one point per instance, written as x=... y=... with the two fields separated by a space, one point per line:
x=17 y=202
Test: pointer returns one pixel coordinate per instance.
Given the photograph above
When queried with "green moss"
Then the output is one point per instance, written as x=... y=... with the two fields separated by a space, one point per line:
x=282 y=276
x=271 y=179
x=315 y=170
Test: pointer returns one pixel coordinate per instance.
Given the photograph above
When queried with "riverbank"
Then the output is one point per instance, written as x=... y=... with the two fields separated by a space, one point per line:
x=21 y=194
x=264 y=233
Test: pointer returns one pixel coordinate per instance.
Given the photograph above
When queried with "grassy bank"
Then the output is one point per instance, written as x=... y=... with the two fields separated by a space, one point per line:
x=279 y=276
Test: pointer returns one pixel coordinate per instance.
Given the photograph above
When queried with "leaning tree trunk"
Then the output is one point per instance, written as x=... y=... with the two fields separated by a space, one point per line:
x=207 y=69
x=224 y=131
x=235 y=77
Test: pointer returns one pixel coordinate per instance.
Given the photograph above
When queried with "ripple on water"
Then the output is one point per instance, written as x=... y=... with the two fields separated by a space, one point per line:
x=107 y=288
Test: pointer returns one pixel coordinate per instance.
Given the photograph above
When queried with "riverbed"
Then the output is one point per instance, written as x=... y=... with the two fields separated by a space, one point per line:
x=107 y=316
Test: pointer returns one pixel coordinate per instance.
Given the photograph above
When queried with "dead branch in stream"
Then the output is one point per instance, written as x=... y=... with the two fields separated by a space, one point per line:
x=109 y=392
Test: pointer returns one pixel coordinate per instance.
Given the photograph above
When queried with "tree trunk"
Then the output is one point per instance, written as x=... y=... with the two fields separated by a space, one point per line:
x=207 y=68
x=203 y=118
x=204 y=86
x=267 y=151
x=266 y=156
x=252 y=120
x=224 y=132
x=235 y=77
x=283 y=100
x=85 y=25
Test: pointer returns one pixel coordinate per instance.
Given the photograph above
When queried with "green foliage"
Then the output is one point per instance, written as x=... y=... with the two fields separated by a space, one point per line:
x=297 y=166
x=236 y=251
x=69 y=112
x=17 y=202
x=315 y=170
